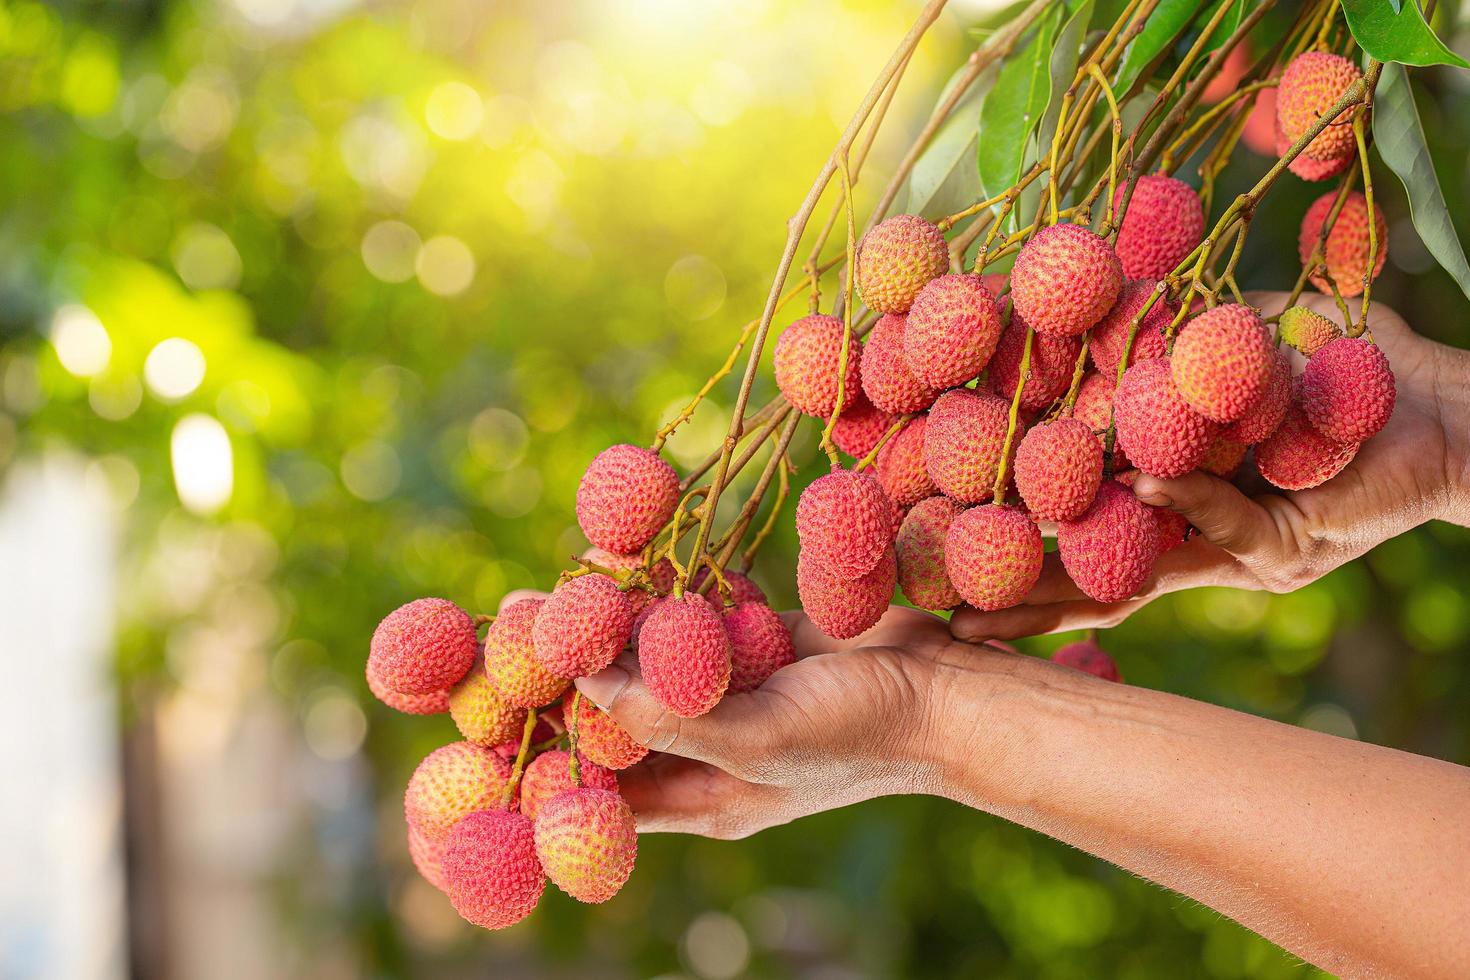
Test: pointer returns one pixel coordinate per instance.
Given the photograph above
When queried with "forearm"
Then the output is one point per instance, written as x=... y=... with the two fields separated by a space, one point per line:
x=1354 y=856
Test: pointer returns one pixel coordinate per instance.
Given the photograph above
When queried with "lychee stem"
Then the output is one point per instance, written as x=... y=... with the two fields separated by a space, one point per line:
x=842 y=354
x=482 y=618
x=783 y=490
x=999 y=493
x=893 y=430
x=1107 y=91
x=1356 y=330
x=520 y=763
x=724 y=548
x=574 y=768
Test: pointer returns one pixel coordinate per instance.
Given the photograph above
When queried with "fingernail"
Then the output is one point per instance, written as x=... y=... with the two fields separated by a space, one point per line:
x=1147 y=489
x=603 y=688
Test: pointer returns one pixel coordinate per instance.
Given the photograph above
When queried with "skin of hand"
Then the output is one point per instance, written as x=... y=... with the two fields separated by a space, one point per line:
x=1353 y=856
x=1416 y=470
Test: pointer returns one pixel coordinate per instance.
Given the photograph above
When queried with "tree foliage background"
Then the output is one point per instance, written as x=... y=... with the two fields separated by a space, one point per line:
x=428 y=257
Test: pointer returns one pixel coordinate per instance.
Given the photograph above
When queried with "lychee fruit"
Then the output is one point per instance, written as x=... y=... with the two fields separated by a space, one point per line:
x=742 y=589
x=807 y=357
x=1109 y=551
x=1262 y=418
x=1222 y=361
x=1172 y=526
x=422 y=647
x=660 y=576
x=1065 y=279
x=626 y=497
x=1223 y=457
x=896 y=259
x=1307 y=331
x=1298 y=457
x=887 y=380
x=1347 y=390
x=480 y=711
x=601 y=739
x=920 y=551
x=684 y=654
x=963 y=442
x=1160 y=432
x=1260 y=126
x=491 y=872
x=1346 y=250
x=844 y=522
x=1164 y=222
x=451 y=781
x=1089 y=658
x=587 y=841
x=760 y=644
x=426 y=856
x=993 y=555
x=542 y=731
x=860 y=427
x=951 y=332
x=1058 y=469
x=1311 y=85
x=900 y=465
x=549 y=774
x=1228 y=79
x=844 y=607
x=1308 y=167
x=1053 y=359
x=510 y=658
x=1094 y=409
x=582 y=626
x=433 y=703
x=1110 y=335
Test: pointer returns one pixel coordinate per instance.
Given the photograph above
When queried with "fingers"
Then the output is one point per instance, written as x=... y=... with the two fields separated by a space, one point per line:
x=1225 y=517
x=900 y=625
x=680 y=796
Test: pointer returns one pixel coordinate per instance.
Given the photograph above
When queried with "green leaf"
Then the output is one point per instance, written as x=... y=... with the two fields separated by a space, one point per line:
x=1397 y=34
x=1159 y=31
x=1014 y=107
x=1226 y=27
x=1064 y=56
x=1399 y=136
x=944 y=178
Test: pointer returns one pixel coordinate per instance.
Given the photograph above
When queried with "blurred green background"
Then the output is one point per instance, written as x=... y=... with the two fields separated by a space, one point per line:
x=331 y=302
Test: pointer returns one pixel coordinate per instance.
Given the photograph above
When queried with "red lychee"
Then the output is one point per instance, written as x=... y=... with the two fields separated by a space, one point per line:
x=1222 y=361
x=844 y=522
x=491 y=872
x=1223 y=457
x=1089 y=658
x=601 y=739
x=582 y=626
x=1347 y=248
x=423 y=647
x=742 y=589
x=920 y=551
x=684 y=653
x=1347 y=390
x=433 y=703
x=1298 y=457
x=1111 y=333
x=1172 y=526
x=480 y=711
x=1160 y=432
x=900 y=465
x=1065 y=279
x=1260 y=126
x=760 y=644
x=550 y=773
x=1109 y=551
x=1164 y=222
x=1306 y=330
x=1094 y=409
x=963 y=442
x=426 y=856
x=587 y=841
x=896 y=259
x=451 y=781
x=951 y=332
x=860 y=427
x=807 y=356
x=1311 y=85
x=993 y=555
x=1266 y=414
x=510 y=658
x=887 y=380
x=626 y=497
x=1053 y=359
x=1308 y=167
x=1058 y=469
x=844 y=607
x=661 y=576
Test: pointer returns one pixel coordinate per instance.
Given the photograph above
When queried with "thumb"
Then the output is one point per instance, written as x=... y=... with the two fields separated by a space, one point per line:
x=1225 y=517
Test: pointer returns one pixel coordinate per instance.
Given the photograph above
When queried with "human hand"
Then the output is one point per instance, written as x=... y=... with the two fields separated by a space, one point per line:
x=1257 y=537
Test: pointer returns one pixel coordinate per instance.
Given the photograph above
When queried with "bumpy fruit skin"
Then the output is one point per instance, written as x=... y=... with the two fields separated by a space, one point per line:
x=993 y=555
x=422 y=647
x=807 y=355
x=684 y=653
x=844 y=607
x=1058 y=469
x=587 y=841
x=601 y=739
x=426 y=856
x=1298 y=457
x=626 y=497
x=1222 y=361
x=860 y=427
x=1172 y=526
x=1065 y=279
x=920 y=551
x=900 y=465
x=896 y=259
x=1348 y=391
x=661 y=576
x=1094 y=409
x=1089 y=658
x=963 y=443
x=1307 y=331
x=1111 y=333
x=548 y=774
x=491 y=872
x=1311 y=85
x=1109 y=551
x=1347 y=242
x=510 y=658
x=453 y=780
x=951 y=332
x=1164 y=222
x=1157 y=428
x=480 y=711
x=844 y=522
x=433 y=703
x=583 y=625
x=1266 y=414
x=1053 y=359
x=1224 y=457
x=887 y=380
x=760 y=645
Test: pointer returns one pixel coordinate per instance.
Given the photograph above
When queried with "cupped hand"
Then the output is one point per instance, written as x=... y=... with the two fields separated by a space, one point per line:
x=1253 y=536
